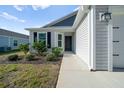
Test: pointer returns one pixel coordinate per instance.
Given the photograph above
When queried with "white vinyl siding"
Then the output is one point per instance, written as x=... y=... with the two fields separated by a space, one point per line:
x=19 y=41
x=82 y=41
x=101 y=40
x=4 y=41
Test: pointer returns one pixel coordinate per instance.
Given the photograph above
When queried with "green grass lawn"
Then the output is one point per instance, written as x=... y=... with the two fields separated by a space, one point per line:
x=28 y=75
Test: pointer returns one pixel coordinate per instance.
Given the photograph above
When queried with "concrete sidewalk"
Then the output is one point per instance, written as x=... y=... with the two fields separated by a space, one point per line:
x=74 y=73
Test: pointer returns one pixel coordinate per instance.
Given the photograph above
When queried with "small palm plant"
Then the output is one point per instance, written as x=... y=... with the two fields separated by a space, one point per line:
x=24 y=48
x=40 y=47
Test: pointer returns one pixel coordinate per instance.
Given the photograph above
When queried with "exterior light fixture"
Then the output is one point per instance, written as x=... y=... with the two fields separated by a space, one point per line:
x=105 y=16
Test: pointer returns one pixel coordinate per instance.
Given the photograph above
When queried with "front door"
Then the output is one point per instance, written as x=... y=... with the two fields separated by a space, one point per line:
x=68 y=43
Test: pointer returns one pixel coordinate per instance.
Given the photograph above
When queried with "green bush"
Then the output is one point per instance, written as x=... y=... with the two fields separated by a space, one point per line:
x=29 y=57
x=51 y=57
x=57 y=51
x=24 y=48
x=40 y=47
x=13 y=57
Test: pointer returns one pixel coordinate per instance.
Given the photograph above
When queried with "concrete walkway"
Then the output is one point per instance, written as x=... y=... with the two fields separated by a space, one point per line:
x=74 y=73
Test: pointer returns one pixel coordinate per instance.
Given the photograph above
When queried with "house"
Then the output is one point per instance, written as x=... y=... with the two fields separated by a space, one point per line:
x=11 y=40
x=94 y=33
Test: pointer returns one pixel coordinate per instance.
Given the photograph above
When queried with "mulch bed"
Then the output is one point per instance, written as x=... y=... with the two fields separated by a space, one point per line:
x=36 y=60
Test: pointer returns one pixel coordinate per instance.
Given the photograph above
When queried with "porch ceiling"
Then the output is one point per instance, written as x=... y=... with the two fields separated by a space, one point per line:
x=52 y=29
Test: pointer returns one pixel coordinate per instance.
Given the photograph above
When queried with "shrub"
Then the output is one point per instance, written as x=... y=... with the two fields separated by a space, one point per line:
x=24 y=48
x=57 y=51
x=51 y=57
x=29 y=57
x=40 y=47
x=13 y=57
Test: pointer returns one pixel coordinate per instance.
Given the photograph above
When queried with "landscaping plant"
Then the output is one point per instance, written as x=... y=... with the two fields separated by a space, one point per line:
x=40 y=47
x=13 y=57
x=29 y=57
x=57 y=51
x=24 y=48
x=51 y=57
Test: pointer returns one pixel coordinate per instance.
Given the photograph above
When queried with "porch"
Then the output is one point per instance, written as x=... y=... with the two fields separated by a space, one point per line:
x=63 y=37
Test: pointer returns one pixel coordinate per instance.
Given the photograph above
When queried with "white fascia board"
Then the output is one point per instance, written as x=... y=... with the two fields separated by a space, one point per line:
x=81 y=12
x=52 y=29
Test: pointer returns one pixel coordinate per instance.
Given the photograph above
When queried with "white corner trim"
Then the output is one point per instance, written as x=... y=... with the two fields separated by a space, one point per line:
x=94 y=37
x=110 y=45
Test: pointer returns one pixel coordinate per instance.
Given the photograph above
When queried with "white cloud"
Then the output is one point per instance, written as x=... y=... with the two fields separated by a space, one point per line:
x=36 y=7
x=11 y=17
x=18 y=7
x=76 y=9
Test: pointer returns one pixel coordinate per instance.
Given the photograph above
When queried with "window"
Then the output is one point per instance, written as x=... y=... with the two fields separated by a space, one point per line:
x=35 y=36
x=15 y=43
x=59 y=40
x=42 y=37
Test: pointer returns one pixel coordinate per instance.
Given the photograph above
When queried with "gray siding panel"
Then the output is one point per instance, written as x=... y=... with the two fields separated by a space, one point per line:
x=7 y=39
x=19 y=40
x=67 y=22
x=4 y=41
x=101 y=40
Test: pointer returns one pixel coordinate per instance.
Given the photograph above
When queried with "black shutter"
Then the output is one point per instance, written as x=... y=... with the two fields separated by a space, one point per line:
x=49 y=39
x=35 y=36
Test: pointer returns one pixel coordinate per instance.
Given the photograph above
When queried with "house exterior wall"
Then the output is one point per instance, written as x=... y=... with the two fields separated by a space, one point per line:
x=8 y=41
x=118 y=35
x=54 y=39
x=101 y=40
x=19 y=40
x=4 y=41
x=82 y=39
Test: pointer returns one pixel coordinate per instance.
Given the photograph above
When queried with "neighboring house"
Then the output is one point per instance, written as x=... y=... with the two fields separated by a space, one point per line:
x=11 y=40
x=94 y=33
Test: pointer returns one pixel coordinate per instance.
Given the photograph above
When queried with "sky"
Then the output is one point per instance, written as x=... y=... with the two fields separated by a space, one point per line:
x=16 y=18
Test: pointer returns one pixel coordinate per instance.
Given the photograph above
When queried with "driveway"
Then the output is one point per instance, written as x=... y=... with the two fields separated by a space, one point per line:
x=74 y=73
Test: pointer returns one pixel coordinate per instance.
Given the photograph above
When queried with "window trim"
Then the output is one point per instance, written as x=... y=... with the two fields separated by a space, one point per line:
x=60 y=40
x=14 y=43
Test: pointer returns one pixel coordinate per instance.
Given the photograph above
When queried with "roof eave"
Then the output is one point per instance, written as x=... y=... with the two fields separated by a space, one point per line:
x=52 y=29
x=81 y=13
